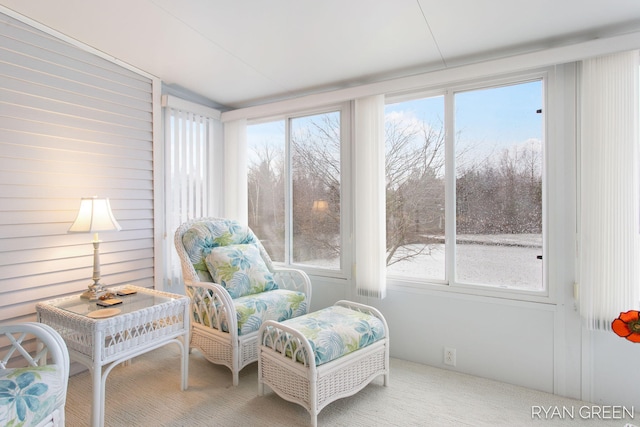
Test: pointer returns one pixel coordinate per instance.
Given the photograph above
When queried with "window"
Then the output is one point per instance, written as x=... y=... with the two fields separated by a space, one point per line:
x=498 y=152
x=295 y=188
x=479 y=189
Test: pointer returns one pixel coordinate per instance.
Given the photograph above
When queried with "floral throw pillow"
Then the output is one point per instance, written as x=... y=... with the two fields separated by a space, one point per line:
x=240 y=269
x=203 y=236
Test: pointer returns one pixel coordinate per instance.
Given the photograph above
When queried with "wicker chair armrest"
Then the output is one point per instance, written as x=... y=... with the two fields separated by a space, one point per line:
x=294 y=280
x=51 y=345
x=211 y=304
x=34 y=349
x=286 y=342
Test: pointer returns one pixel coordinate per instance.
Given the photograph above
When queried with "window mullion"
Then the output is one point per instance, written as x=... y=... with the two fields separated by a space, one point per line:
x=288 y=194
x=450 y=188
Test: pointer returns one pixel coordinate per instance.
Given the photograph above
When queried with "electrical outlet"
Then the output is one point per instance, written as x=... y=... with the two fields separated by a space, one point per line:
x=450 y=356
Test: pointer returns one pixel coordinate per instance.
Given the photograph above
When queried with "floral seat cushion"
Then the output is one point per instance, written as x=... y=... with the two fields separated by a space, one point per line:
x=28 y=395
x=336 y=331
x=253 y=310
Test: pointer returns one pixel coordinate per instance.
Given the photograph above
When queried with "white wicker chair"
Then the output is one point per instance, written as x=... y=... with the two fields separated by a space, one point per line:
x=33 y=386
x=212 y=305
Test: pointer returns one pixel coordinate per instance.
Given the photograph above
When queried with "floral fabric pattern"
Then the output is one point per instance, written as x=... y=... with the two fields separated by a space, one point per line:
x=336 y=331
x=240 y=269
x=203 y=236
x=253 y=310
x=28 y=395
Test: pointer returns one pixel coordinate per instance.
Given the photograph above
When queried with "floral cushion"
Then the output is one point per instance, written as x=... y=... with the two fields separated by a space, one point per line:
x=278 y=305
x=29 y=395
x=203 y=236
x=240 y=269
x=335 y=331
x=252 y=310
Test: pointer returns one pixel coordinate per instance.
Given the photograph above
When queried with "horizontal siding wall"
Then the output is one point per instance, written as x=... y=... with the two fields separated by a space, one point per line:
x=72 y=125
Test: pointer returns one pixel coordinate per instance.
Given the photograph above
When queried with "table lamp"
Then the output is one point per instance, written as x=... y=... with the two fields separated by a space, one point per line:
x=94 y=215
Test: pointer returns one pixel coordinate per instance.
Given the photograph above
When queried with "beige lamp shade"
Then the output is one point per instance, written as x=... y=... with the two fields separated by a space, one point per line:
x=94 y=215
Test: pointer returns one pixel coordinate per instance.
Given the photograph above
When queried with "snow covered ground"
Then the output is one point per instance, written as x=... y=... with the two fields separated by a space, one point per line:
x=498 y=260
x=503 y=260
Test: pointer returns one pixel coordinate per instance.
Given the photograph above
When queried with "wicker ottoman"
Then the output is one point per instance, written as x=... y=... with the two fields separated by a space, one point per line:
x=311 y=361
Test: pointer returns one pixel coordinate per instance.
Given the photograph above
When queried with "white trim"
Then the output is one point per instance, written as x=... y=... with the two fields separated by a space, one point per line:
x=503 y=294
x=159 y=225
x=184 y=105
x=542 y=58
x=559 y=352
x=449 y=188
x=586 y=359
x=437 y=291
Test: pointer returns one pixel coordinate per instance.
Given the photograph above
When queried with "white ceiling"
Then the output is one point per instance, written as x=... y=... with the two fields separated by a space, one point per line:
x=245 y=52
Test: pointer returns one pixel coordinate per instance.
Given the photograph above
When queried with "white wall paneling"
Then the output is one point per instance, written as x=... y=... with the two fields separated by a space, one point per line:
x=72 y=124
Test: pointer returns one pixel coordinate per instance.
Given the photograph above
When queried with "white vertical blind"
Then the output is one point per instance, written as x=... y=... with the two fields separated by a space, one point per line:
x=609 y=250
x=369 y=197
x=72 y=125
x=236 y=170
x=191 y=134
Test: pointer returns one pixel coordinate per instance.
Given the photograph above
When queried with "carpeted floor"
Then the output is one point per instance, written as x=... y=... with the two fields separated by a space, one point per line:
x=147 y=393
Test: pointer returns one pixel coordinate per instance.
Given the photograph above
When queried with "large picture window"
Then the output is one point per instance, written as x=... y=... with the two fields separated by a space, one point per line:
x=295 y=188
x=466 y=208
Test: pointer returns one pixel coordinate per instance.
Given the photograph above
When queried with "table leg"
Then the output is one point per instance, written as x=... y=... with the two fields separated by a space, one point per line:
x=185 y=360
x=97 y=407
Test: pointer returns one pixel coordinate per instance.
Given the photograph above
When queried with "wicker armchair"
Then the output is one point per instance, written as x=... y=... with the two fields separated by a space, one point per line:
x=234 y=287
x=33 y=387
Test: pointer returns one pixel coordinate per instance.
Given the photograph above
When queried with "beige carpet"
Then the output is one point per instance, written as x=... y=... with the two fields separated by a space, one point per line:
x=147 y=393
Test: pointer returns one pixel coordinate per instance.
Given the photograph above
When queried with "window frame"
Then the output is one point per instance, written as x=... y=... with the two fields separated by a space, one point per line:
x=551 y=176
x=345 y=111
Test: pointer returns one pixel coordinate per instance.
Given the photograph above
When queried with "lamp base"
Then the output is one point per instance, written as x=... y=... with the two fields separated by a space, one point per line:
x=94 y=292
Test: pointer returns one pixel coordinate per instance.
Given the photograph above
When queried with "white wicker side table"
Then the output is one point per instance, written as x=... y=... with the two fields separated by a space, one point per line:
x=146 y=320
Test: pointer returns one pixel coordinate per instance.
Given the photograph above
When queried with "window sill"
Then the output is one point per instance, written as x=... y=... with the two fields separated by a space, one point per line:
x=493 y=293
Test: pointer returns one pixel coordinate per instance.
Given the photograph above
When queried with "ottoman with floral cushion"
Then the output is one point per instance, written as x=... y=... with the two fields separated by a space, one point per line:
x=323 y=356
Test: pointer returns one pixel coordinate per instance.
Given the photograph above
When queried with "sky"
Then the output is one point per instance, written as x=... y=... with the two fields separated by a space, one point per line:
x=506 y=115
x=492 y=118
x=496 y=118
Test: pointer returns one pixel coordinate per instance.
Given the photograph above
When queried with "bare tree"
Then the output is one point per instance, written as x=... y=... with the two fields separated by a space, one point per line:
x=414 y=166
x=266 y=198
x=503 y=197
x=315 y=156
x=491 y=197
